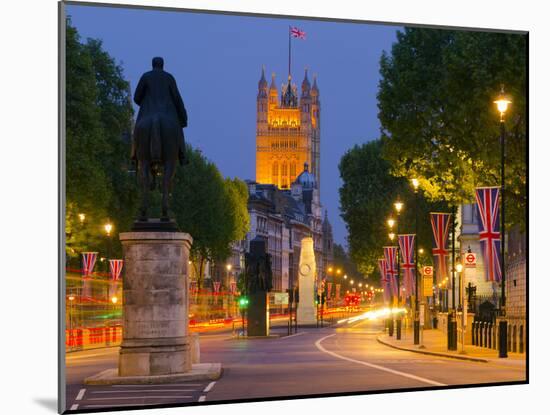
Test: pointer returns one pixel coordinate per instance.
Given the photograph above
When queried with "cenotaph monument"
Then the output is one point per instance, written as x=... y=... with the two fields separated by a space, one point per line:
x=306 y=284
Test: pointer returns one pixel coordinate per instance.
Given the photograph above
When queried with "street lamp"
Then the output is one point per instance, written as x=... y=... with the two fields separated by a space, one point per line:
x=398 y=207
x=391 y=235
x=458 y=268
x=81 y=217
x=502 y=105
x=108 y=228
x=416 y=325
x=391 y=222
x=346 y=276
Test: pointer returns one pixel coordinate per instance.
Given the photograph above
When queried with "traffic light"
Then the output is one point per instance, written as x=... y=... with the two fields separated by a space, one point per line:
x=243 y=302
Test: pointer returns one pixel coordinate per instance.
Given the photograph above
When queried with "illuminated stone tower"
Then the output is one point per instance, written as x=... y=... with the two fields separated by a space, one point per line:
x=287 y=132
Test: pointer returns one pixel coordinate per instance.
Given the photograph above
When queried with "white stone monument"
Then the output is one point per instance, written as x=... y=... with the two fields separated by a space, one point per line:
x=306 y=281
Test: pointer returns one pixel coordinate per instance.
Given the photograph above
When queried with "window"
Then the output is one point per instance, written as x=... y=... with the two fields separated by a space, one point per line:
x=275 y=173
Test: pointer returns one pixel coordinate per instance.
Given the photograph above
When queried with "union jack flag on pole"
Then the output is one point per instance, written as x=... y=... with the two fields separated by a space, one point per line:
x=116 y=268
x=406 y=245
x=488 y=199
x=88 y=263
x=295 y=32
x=384 y=280
x=390 y=254
x=440 y=226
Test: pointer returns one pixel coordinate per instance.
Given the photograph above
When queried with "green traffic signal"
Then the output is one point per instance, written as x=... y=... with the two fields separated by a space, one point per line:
x=243 y=302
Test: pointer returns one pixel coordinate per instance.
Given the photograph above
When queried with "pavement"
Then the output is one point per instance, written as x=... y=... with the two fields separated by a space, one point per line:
x=434 y=343
x=340 y=359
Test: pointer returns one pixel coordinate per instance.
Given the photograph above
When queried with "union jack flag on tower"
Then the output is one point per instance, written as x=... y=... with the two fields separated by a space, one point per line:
x=440 y=227
x=295 y=32
x=488 y=199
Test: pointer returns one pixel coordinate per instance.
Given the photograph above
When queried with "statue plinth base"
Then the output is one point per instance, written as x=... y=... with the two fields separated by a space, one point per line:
x=258 y=314
x=155 y=306
x=154 y=225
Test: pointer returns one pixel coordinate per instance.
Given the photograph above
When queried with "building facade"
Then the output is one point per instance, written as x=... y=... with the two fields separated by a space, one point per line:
x=287 y=132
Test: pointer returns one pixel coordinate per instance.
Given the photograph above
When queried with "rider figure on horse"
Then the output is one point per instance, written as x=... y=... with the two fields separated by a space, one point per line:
x=158 y=139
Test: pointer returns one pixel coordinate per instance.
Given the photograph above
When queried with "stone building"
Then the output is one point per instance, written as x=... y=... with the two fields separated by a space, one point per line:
x=287 y=132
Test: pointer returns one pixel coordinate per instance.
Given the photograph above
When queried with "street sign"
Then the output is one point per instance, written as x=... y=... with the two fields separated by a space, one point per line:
x=470 y=260
x=427 y=270
x=427 y=285
x=280 y=298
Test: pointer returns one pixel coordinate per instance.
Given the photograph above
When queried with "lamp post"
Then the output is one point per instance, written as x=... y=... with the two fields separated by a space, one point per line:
x=108 y=227
x=458 y=268
x=416 y=326
x=502 y=105
x=398 y=207
x=391 y=235
x=451 y=322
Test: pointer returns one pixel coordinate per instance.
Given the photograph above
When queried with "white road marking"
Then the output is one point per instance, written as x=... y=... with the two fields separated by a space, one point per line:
x=74 y=407
x=293 y=335
x=202 y=398
x=385 y=369
x=147 y=390
x=80 y=395
x=209 y=387
x=150 y=386
x=118 y=404
x=116 y=398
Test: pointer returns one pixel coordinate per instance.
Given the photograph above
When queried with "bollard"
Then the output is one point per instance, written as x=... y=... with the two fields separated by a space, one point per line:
x=489 y=334
x=514 y=339
x=473 y=333
x=195 y=348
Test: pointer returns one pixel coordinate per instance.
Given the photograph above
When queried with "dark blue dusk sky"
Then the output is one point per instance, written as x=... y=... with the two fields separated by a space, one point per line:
x=217 y=61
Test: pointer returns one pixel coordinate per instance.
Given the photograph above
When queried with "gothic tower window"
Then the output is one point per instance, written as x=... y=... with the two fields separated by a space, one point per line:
x=275 y=173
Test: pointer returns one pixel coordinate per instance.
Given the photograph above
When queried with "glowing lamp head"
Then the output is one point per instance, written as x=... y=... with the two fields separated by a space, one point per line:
x=114 y=300
x=345 y=277
x=420 y=250
x=338 y=271
x=458 y=267
x=502 y=103
x=71 y=297
x=108 y=228
x=329 y=269
x=392 y=236
x=398 y=206
x=228 y=267
x=415 y=184
x=391 y=222
x=81 y=217
x=351 y=282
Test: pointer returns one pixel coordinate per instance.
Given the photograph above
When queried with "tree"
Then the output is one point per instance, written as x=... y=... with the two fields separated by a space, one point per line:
x=98 y=120
x=439 y=122
x=212 y=210
x=366 y=200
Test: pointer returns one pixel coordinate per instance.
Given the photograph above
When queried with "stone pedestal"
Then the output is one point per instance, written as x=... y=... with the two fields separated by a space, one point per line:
x=258 y=314
x=155 y=338
x=306 y=313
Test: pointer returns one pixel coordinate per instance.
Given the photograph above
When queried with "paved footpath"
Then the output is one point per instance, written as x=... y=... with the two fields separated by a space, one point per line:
x=434 y=342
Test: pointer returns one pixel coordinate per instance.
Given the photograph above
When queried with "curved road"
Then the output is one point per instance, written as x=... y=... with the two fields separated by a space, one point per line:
x=344 y=358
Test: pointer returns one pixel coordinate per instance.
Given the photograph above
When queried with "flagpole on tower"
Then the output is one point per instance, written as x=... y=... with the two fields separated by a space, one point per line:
x=289 y=46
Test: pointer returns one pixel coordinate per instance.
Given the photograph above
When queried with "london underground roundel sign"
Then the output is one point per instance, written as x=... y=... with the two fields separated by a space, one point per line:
x=470 y=259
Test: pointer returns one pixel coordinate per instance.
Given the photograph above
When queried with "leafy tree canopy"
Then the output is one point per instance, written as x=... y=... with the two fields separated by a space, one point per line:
x=366 y=202
x=439 y=122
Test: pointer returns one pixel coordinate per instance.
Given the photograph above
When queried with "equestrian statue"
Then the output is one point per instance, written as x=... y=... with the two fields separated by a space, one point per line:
x=158 y=142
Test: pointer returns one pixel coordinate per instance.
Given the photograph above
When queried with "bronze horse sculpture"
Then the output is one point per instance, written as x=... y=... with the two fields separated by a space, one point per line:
x=158 y=141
